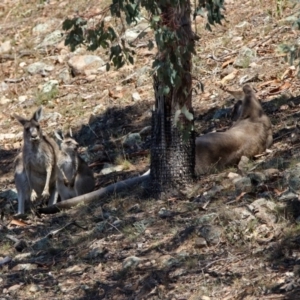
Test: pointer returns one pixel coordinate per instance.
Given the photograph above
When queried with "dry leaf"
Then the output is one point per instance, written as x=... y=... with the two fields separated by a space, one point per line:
x=229 y=77
x=279 y=89
x=18 y=222
x=240 y=196
x=276 y=81
x=289 y=73
x=227 y=62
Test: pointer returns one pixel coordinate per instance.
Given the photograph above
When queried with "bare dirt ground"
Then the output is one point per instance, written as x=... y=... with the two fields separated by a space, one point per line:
x=123 y=247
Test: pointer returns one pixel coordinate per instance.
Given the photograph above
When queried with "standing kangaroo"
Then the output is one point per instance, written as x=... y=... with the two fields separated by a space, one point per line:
x=35 y=166
x=74 y=177
x=250 y=135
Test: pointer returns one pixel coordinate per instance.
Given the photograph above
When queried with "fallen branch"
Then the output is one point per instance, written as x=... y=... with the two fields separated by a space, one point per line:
x=5 y=260
x=94 y=196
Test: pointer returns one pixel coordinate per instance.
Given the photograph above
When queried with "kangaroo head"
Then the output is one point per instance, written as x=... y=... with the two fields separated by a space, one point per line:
x=67 y=143
x=32 y=131
x=247 y=106
x=251 y=107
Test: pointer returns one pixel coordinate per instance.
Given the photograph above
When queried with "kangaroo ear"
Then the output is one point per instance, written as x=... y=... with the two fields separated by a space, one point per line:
x=59 y=135
x=237 y=110
x=20 y=119
x=37 y=116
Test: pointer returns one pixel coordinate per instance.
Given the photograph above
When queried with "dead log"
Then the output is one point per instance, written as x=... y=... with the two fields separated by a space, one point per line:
x=96 y=195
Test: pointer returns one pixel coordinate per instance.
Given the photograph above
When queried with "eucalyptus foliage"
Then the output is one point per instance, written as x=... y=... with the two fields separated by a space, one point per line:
x=168 y=66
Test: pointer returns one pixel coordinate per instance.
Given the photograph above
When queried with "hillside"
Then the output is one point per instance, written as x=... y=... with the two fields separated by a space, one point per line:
x=235 y=236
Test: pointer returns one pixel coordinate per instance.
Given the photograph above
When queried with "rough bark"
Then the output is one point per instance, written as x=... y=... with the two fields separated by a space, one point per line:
x=172 y=159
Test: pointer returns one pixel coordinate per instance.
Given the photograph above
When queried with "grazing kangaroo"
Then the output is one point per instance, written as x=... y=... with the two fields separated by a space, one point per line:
x=35 y=166
x=250 y=135
x=74 y=177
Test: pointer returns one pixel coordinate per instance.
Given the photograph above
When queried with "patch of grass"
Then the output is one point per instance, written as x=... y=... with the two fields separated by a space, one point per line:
x=292 y=231
x=5 y=247
x=43 y=98
x=124 y=163
x=130 y=232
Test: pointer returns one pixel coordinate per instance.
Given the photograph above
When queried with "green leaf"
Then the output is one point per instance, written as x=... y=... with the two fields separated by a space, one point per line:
x=68 y=24
x=187 y=114
x=166 y=90
x=155 y=19
x=176 y=116
x=130 y=58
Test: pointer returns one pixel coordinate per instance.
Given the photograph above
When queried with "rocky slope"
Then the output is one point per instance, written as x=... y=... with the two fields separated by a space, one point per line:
x=235 y=236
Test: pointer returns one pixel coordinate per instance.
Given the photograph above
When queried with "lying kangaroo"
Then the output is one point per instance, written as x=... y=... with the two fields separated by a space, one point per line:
x=74 y=177
x=251 y=134
x=35 y=166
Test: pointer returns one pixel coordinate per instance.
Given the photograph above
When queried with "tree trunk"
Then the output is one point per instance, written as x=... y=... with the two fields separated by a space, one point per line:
x=172 y=157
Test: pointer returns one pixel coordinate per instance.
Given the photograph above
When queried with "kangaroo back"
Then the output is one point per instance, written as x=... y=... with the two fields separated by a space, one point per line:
x=74 y=176
x=250 y=135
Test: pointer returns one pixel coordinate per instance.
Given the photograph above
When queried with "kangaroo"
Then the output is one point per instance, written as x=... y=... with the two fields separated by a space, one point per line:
x=35 y=166
x=74 y=177
x=249 y=135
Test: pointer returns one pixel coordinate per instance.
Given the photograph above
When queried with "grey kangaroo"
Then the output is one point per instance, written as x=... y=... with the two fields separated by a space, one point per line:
x=250 y=134
x=74 y=177
x=35 y=166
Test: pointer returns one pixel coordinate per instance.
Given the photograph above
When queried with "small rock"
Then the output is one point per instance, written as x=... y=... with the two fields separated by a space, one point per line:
x=22 y=98
x=165 y=213
x=243 y=185
x=132 y=139
x=206 y=219
x=131 y=262
x=51 y=39
x=168 y=261
x=136 y=96
x=4 y=100
x=3 y=88
x=288 y=196
x=257 y=177
x=5 y=47
x=45 y=27
x=80 y=64
x=211 y=233
x=64 y=76
x=233 y=176
x=243 y=163
x=132 y=34
x=96 y=252
x=75 y=269
x=25 y=267
x=265 y=211
x=39 y=68
x=200 y=243
x=49 y=86
x=34 y=288
x=269 y=173
x=9 y=195
x=245 y=57
x=14 y=288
